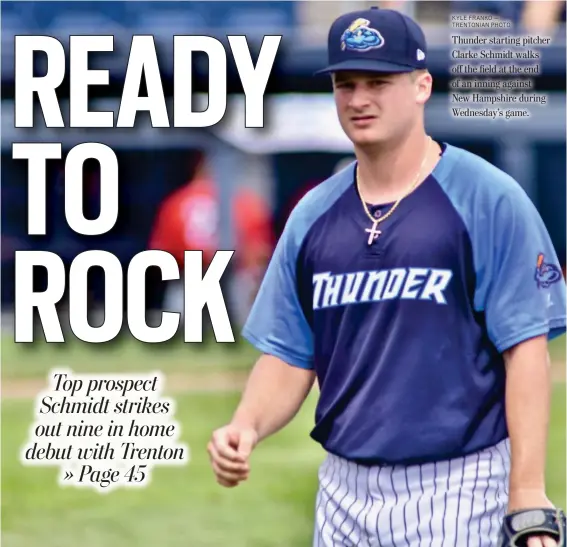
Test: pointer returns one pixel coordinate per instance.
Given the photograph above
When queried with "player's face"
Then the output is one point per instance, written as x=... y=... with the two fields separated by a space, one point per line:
x=375 y=108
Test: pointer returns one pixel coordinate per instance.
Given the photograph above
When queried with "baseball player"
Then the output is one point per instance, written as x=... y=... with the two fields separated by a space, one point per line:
x=419 y=287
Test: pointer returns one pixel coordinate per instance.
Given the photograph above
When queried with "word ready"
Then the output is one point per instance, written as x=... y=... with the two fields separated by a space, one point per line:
x=142 y=65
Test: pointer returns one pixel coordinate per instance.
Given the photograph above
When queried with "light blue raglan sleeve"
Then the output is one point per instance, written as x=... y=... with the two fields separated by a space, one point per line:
x=276 y=324
x=520 y=285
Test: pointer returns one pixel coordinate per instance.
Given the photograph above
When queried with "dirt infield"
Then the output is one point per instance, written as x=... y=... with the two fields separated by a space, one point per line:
x=198 y=382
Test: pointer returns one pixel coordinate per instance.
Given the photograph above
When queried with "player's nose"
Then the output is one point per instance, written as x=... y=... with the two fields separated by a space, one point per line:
x=359 y=99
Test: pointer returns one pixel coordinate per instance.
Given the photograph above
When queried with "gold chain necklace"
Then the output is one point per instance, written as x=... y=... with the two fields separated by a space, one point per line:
x=373 y=232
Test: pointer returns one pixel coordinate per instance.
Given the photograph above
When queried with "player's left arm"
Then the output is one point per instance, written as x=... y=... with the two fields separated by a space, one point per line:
x=521 y=290
x=528 y=399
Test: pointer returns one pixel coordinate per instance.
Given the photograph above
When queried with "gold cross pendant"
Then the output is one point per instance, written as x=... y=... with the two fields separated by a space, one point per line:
x=373 y=232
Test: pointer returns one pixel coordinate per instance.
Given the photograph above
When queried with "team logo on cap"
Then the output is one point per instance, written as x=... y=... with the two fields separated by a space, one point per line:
x=360 y=37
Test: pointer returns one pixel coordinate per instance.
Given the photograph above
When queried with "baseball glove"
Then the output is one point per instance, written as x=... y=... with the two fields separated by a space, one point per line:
x=519 y=526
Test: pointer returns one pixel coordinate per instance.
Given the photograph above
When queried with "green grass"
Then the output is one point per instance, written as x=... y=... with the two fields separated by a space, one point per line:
x=558 y=348
x=128 y=355
x=557 y=458
x=124 y=355
x=183 y=506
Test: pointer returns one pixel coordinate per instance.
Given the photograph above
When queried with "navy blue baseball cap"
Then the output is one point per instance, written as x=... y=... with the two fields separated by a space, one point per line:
x=376 y=40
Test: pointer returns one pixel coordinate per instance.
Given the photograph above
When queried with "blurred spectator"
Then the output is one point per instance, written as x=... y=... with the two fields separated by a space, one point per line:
x=309 y=185
x=188 y=219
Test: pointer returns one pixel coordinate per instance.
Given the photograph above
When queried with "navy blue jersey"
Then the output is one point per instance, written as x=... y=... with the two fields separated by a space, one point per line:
x=406 y=335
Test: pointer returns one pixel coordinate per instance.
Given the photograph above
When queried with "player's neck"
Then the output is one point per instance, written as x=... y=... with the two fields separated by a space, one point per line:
x=388 y=171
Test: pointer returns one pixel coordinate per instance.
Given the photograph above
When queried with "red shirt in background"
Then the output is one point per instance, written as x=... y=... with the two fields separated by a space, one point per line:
x=188 y=220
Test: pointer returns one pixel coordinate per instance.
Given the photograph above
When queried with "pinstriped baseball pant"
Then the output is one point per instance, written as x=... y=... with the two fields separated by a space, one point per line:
x=454 y=503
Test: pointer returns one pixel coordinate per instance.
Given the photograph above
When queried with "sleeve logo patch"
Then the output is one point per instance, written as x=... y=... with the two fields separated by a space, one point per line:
x=546 y=274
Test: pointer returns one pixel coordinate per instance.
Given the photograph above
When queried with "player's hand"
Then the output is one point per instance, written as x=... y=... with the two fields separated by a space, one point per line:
x=529 y=499
x=229 y=451
x=542 y=541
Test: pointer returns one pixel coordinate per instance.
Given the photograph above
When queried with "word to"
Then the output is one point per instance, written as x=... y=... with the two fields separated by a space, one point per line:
x=199 y=290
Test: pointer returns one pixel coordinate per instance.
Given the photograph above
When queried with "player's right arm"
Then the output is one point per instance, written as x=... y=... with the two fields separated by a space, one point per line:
x=273 y=395
x=283 y=376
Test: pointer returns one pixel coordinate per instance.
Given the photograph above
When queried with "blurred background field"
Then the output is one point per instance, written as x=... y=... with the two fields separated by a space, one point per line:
x=182 y=506
x=236 y=187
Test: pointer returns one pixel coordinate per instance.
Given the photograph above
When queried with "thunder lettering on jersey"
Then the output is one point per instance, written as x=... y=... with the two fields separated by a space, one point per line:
x=374 y=286
x=406 y=335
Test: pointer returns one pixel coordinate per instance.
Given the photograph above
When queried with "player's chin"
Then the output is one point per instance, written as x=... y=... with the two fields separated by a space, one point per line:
x=368 y=133
x=366 y=137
